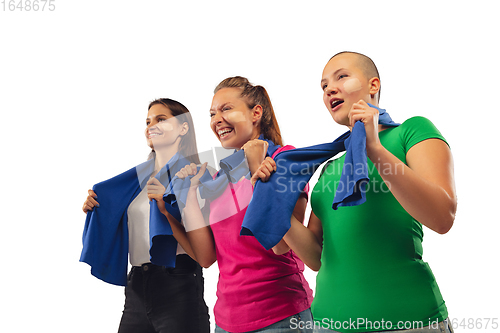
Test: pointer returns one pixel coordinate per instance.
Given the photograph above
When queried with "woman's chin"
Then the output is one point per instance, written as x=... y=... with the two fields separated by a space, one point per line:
x=226 y=146
x=340 y=120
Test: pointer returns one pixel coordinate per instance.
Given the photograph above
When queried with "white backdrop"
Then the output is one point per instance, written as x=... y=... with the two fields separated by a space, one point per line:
x=75 y=84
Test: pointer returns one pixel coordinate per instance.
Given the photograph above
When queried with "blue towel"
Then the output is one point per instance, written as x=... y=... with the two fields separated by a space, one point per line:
x=269 y=212
x=105 y=235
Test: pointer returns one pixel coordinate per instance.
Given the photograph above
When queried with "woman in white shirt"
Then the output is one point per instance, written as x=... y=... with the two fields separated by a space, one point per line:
x=159 y=299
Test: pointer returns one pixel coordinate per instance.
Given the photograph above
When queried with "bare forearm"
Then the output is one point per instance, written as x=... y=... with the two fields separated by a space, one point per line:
x=199 y=233
x=298 y=213
x=304 y=243
x=431 y=203
x=203 y=246
x=179 y=234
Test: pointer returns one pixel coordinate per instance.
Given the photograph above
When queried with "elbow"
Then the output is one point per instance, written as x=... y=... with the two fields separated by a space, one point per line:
x=207 y=261
x=446 y=225
x=281 y=248
x=315 y=267
x=314 y=262
x=280 y=251
x=447 y=216
x=447 y=221
x=444 y=228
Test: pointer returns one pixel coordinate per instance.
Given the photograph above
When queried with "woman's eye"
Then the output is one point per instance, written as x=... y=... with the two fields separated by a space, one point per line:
x=323 y=87
x=341 y=76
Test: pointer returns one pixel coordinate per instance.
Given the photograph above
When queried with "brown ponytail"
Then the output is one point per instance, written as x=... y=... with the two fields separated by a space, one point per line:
x=256 y=95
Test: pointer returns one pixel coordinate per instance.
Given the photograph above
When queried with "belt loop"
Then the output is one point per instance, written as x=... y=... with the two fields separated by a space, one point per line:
x=449 y=325
x=442 y=327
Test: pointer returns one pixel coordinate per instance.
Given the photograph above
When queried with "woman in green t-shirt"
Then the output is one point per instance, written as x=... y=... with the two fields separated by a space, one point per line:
x=369 y=257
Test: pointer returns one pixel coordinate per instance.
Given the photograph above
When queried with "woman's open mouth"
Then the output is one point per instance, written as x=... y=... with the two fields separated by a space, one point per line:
x=336 y=104
x=152 y=135
x=223 y=133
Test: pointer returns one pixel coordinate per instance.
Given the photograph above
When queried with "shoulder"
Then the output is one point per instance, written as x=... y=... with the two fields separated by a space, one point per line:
x=417 y=129
x=280 y=149
x=419 y=124
x=284 y=148
x=417 y=121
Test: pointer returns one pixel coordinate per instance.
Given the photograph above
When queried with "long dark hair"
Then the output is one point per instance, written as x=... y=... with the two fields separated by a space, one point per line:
x=256 y=95
x=187 y=146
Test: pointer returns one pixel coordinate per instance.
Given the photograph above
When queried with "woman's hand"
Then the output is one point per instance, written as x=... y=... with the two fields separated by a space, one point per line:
x=255 y=152
x=192 y=170
x=155 y=191
x=369 y=116
x=90 y=203
x=266 y=168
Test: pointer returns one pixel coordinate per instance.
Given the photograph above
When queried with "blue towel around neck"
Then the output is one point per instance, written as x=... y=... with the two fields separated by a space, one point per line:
x=105 y=234
x=272 y=204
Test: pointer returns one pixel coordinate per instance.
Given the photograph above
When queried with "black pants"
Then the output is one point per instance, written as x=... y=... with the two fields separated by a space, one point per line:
x=162 y=300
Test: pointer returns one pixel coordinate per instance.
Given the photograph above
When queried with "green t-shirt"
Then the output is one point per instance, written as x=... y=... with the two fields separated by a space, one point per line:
x=372 y=275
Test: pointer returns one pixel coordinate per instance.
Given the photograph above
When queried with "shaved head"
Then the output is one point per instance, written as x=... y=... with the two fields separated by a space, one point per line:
x=364 y=63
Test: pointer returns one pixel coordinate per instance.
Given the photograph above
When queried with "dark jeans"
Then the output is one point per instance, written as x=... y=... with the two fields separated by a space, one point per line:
x=161 y=300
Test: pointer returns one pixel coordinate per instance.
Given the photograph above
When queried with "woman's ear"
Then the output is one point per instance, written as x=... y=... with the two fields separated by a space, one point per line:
x=374 y=83
x=184 y=129
x=257 y=113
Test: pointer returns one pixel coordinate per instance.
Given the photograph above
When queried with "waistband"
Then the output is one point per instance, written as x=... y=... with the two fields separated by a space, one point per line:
x=183 y=264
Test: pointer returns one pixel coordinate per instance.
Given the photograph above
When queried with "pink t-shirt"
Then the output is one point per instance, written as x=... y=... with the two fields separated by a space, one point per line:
x=256 y=287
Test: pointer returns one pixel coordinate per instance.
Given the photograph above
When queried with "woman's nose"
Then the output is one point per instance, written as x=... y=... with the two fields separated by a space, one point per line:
x=150 y=127
x=331 y=89
x=153 y=123
x=216 y=118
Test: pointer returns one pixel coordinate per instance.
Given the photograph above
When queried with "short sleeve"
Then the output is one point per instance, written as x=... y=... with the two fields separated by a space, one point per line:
x=418 y=129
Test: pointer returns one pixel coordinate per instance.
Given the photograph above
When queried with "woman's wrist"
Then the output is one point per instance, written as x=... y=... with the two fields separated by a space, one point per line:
x=192 y=196
x=375 y=151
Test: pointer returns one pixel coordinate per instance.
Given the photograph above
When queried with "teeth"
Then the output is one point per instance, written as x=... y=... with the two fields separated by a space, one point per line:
x=336 y=102
x=224 y=131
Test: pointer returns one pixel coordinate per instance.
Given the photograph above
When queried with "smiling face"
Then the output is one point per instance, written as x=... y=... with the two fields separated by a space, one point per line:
x=163 y=129
x=232 y=121
x=344 y=83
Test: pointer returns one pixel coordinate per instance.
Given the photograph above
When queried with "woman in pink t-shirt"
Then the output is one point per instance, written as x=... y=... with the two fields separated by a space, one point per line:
x=259 y=290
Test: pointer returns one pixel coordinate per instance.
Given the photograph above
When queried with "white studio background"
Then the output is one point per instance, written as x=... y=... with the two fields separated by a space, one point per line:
x=75 y=84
